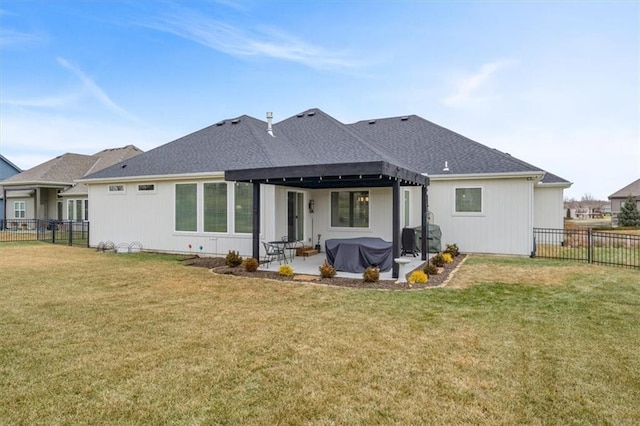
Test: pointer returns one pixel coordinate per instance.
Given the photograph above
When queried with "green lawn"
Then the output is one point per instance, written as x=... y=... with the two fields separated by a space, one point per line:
x=97 y=338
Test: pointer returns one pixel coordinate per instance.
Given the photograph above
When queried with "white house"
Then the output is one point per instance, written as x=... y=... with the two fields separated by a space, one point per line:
x=242 y=181
x=48 y=191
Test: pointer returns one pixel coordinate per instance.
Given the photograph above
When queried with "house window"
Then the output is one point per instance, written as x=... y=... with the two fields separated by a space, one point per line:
x=19 y=209
x=116 y=188
x=78 y=210
x=186 y=207
x=147 y=188
x=350 y=209
x=243 y=210
x=215 y=207
x=468 y=200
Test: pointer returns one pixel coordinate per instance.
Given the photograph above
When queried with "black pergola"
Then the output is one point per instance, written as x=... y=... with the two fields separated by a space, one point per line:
x=341 y=175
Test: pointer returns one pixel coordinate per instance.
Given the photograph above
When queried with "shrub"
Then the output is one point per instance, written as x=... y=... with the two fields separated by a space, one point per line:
x=285 y=271
x=250 y=264
x=448 y=258
x=326 y=270
x=233 y=259
x=418 y=277
x=438 y=260
x=430 y=269
x=629 y=214
x=371 y=275
x=452 y=249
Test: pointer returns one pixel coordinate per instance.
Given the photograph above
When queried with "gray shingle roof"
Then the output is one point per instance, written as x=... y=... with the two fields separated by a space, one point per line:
x=426 y=147
x=313 y=137
x=66 y=168
x=633 y=189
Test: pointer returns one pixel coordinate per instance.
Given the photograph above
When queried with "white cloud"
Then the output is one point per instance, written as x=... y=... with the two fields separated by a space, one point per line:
x=28 y=145
x=267 y=42
x=11 y=38
x=93 y=90
x=471 y=89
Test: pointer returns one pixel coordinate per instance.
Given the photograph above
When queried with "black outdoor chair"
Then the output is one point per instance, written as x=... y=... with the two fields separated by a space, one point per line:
x=273 y=251
x=409 y=242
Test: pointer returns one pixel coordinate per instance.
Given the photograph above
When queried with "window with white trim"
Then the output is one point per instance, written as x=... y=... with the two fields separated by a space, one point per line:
x=78 y=210
x=350 y=209
x=186 y=203
x=215 y=206
x=147 y=188
x=468 y=200
x=20 y=209
x=243 y=211
x=116 y=189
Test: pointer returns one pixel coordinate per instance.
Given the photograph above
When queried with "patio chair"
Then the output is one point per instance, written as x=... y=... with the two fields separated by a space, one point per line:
x=291 y=246
x=273 y=251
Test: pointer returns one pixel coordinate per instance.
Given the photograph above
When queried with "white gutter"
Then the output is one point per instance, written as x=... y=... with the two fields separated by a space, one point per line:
x=152 y=178
x=537 y=175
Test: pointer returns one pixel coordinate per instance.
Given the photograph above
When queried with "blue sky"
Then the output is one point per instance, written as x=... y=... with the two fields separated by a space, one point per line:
x=553 y=83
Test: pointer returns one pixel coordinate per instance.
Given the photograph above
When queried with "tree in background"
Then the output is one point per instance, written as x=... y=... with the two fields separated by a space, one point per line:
x=629 y=214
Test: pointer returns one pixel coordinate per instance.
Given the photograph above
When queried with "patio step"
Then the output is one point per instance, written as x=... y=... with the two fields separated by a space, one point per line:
x=307 y=252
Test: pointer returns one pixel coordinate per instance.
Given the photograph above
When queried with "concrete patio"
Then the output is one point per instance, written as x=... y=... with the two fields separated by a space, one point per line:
x=309 y=266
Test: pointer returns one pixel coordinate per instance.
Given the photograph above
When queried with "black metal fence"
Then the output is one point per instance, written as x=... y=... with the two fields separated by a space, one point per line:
x=587 y=245
x=53 y=231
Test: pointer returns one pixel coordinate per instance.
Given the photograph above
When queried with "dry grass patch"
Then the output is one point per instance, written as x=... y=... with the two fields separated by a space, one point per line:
x=111 y=339
x=522 y=271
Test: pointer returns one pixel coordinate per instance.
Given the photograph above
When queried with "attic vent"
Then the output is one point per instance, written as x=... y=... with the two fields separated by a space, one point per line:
x=236 y=121
x=311 y=114
x=405 y=118
x=372 y=121
x=300 y=115
x=220 y=123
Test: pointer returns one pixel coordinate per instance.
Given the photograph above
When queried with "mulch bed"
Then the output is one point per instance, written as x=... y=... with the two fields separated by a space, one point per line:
x=216 y=264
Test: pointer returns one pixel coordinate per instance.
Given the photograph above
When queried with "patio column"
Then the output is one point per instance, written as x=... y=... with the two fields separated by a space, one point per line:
x=256 y=221
x=424 y=249
x=395 y=242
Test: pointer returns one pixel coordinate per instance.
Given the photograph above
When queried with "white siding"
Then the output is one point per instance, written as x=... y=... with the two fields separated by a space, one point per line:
x=505 y=225
x=549 y=207
x=149 y=218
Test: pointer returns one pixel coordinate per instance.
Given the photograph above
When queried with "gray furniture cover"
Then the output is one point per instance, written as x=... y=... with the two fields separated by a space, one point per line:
x=356 y=254
x=434 y=237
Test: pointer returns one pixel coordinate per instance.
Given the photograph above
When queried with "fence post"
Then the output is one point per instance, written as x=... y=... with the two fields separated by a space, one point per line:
x=589 y=246
x=533 y=252
x=70 y=232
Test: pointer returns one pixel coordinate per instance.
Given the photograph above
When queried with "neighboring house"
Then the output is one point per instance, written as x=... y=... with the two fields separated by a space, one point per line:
x=49 y=191
x=7 y=169
x=619 y=197
x=242 y=181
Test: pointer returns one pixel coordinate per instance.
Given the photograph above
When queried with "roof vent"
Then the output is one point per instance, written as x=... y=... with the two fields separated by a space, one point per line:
x=236 y=121
x=269 y=126
x=300 y=115
x=220 y=123
x=446 y=166
x=372 y=121
x=311 y=114
x=405 y=118
x=124 y=165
